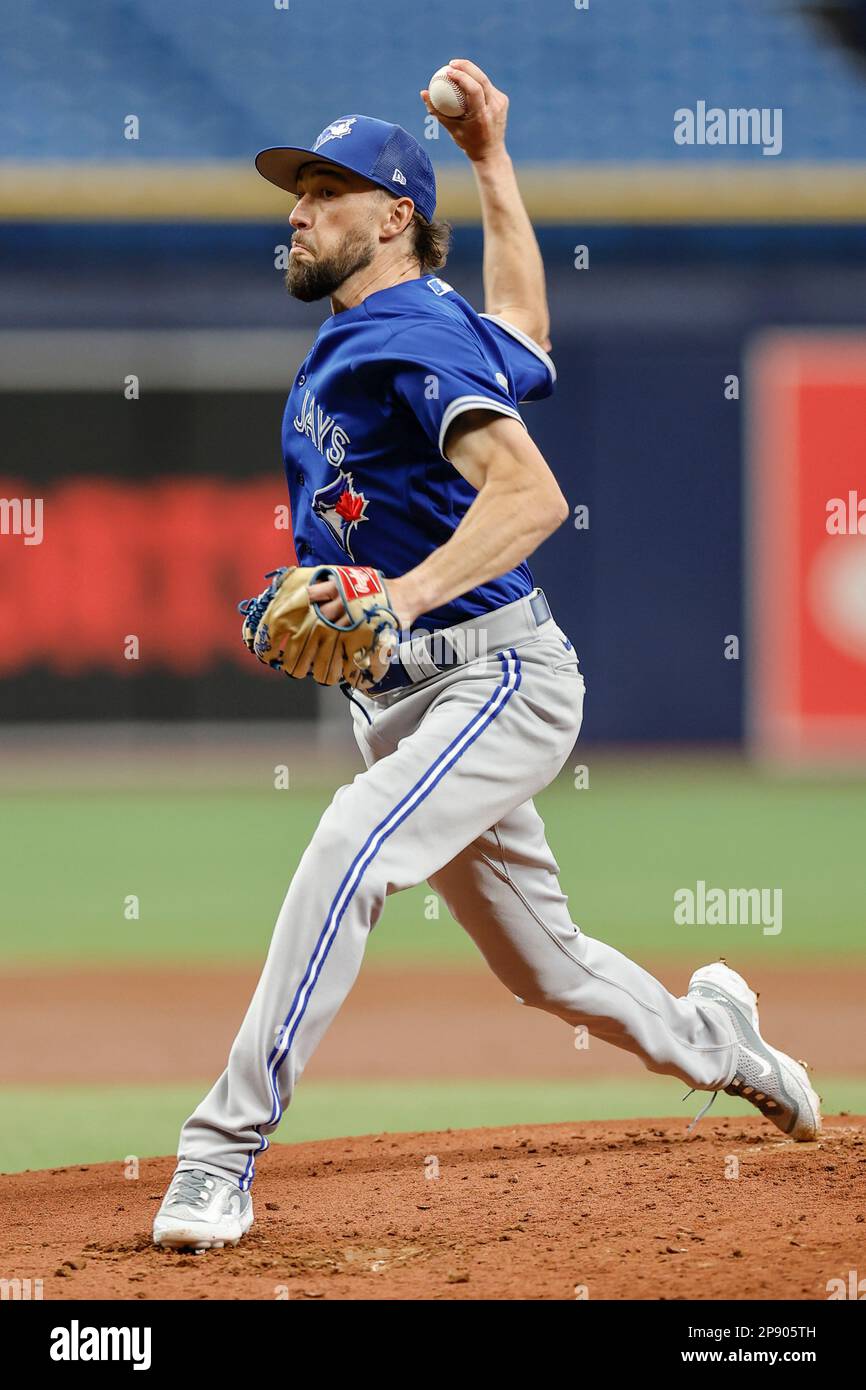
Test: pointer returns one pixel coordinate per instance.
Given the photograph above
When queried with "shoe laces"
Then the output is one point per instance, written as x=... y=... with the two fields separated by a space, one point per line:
x=703 y=1110
x=192 y=1186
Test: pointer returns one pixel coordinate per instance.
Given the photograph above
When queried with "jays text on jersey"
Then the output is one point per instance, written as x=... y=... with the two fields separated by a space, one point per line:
x=365 y=424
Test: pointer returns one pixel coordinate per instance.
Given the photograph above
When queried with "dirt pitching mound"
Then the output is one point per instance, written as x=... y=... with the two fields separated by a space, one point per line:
x=622 y=1210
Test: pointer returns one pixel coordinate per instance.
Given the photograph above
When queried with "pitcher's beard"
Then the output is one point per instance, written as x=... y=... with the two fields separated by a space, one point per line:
x=313 y=277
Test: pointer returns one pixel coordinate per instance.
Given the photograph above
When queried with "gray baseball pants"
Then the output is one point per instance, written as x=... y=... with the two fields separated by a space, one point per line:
x=452 y=765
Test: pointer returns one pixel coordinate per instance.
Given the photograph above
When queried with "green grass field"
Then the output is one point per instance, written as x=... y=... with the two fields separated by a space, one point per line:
x=56 y=1126
x=210 y=868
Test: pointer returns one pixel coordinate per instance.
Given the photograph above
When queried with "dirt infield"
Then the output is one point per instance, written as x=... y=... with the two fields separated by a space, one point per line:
x=604 y=1211
x=171 y=1024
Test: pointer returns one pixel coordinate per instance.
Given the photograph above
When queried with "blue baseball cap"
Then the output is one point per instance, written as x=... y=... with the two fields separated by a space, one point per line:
x=385 y=154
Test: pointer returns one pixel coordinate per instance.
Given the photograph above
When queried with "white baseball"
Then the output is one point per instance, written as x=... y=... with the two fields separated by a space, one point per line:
x=445 y=95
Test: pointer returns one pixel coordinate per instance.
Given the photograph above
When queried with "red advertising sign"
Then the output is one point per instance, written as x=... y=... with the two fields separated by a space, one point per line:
x=806 y=546
x=97 y=563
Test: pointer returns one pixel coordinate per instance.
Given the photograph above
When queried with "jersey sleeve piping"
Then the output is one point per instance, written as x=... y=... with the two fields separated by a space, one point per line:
x=464 y=403
x=525 y=339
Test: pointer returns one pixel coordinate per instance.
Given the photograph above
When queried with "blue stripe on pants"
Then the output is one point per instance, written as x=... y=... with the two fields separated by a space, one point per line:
x=444 y=762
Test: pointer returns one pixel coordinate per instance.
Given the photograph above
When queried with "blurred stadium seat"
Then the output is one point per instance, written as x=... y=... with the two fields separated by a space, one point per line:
x=216 y=80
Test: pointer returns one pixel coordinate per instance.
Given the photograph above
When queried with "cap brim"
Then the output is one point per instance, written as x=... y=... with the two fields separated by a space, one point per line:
x=280 y=164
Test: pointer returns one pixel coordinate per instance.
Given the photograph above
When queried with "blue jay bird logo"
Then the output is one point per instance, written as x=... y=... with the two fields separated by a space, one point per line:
x=340 y=507
x=335 y=131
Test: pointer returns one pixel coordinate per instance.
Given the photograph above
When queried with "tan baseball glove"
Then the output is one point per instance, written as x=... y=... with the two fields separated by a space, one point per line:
x=287 y=631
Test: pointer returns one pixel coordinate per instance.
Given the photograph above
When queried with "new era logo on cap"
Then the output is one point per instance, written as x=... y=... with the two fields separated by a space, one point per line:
x=398 y=177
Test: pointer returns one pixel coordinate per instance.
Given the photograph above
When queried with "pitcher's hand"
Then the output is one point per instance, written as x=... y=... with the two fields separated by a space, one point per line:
x=480 y=131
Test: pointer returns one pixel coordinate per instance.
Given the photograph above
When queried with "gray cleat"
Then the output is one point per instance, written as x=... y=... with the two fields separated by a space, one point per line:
x=770 y=1080
x=202 y=1212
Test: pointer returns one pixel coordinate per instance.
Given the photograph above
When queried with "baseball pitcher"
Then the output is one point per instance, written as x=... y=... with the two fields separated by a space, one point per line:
x=417 y=494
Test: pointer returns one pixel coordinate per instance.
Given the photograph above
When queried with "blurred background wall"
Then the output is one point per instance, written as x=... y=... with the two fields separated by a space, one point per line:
x=154 y=257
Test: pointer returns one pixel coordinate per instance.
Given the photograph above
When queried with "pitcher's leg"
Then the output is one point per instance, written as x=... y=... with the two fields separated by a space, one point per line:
x=308 y=971
x=394 y=825
x=504 y=890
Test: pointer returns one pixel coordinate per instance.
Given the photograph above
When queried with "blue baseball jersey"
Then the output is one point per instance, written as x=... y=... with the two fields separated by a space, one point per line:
x=365 y=425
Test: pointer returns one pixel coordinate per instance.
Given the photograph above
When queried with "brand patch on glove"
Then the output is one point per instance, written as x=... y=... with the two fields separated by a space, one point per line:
x=359 y=581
